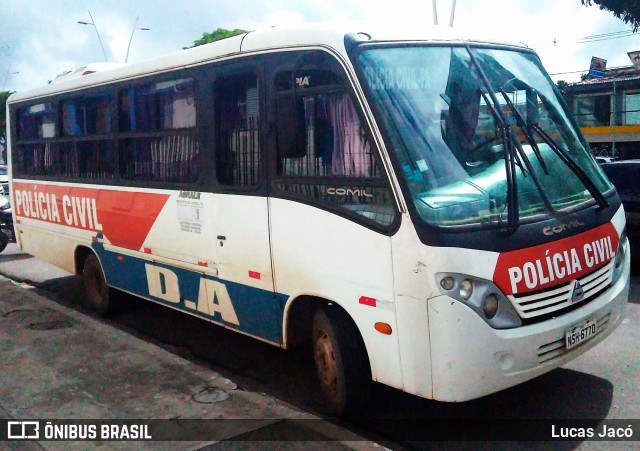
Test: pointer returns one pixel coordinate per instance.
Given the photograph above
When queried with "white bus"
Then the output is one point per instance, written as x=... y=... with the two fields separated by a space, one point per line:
x=421 y=206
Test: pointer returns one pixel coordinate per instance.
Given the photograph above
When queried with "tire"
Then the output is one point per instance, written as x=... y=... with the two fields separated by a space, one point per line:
x=341 y=361
x=4 y=240
x=95 y=286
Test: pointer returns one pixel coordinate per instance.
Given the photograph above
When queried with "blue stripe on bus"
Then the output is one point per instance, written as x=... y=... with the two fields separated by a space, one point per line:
x=259 y=311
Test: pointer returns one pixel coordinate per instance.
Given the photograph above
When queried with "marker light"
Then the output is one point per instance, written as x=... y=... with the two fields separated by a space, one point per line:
x=383 y=328
x=466 y=289
x=490 y=306
x=447 y=283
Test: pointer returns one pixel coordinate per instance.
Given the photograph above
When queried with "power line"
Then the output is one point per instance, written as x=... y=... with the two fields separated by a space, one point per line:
x=595 y=38
x=607 y=34
x=606 y=39
x=584 y=71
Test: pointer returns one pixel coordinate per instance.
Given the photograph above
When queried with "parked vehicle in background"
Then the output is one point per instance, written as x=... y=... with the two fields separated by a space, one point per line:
x=625 y=176
x=602 y=160
x=416 y=203
x=4 y=179
x=7 y=234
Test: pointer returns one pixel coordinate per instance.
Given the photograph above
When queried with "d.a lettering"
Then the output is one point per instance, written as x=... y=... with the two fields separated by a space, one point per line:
x=213 y=296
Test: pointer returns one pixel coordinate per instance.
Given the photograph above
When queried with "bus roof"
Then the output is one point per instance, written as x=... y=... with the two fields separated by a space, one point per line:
x=321 y=34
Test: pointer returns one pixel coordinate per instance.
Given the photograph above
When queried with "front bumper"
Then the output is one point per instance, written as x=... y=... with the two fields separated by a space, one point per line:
x=470 y=359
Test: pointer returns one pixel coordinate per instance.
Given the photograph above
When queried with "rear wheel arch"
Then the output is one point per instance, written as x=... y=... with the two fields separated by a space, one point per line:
x=339 y=351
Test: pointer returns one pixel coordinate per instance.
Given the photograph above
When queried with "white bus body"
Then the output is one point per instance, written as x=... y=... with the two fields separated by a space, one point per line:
x=448 y=295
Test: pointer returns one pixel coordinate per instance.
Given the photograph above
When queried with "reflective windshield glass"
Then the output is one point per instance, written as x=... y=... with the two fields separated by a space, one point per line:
x=460 y=120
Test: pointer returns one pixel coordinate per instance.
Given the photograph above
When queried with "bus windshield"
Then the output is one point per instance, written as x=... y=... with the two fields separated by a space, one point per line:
x=479 y=133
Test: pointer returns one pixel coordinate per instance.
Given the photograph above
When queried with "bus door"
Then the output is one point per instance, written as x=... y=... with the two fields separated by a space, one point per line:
x=331 y=206
x=240 y=216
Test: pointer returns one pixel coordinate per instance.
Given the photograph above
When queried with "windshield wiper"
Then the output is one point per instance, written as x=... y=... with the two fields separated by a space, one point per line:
x=513 y=218
x=523 y=154
x=577 y=170
x=525 y=131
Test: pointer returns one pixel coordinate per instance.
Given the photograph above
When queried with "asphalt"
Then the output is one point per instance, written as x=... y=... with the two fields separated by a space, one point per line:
x=62 y=364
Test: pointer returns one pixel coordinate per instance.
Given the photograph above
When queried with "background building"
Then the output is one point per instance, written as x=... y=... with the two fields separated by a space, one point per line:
x=607 y=110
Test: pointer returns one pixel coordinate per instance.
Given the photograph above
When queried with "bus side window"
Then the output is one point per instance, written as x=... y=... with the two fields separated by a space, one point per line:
x=333 y=142
x=328 y=156
x=237 y=116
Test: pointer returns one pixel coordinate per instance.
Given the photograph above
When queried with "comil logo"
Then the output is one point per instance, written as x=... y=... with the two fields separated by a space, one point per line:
x=349 y=192
x=23 y=430
x=562 y=227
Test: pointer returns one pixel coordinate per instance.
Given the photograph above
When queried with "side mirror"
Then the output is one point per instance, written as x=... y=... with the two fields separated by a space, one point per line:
x=289 y=126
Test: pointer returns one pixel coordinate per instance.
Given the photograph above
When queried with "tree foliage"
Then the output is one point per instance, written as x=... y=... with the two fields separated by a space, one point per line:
x=626 y=10
x=562 y=87
x=216 y=35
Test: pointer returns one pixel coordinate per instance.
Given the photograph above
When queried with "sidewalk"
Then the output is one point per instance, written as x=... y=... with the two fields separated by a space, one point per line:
x=58 y=363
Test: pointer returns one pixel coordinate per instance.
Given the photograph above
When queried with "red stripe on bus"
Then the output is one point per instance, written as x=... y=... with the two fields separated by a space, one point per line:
x=147 y=250
x=124 y=217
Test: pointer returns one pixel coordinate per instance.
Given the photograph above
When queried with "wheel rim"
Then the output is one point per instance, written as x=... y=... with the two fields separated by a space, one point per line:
x=326 y=362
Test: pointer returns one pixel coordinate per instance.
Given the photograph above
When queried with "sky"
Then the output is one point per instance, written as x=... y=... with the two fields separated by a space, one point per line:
x=40 y=39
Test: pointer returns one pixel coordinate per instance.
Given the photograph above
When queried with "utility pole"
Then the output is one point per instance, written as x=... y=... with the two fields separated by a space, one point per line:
x=135 y=27
x=453 y=12
x=93 y=22
x=435 y=12
x=6 y=77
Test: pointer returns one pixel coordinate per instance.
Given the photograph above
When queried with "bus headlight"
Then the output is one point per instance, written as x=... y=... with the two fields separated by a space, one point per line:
x=466 y=289
x=618 y=265
x=482 y=296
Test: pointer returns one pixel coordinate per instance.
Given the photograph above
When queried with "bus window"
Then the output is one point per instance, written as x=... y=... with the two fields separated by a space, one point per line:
x=87 y=159
x=37 y=121
x=332 y=157
x=168 y=110
x=86 y=116
x=158 y=106
x=237 y=113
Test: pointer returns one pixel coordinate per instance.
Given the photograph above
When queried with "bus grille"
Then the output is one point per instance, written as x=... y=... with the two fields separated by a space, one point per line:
x=558 y=348
x=545 y=302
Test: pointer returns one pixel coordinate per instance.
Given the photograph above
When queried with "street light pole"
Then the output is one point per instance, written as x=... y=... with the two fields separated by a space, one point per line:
x=93 y=22
x=6 y=77
x=131 y=38
x=453 y=12
x=435 y=12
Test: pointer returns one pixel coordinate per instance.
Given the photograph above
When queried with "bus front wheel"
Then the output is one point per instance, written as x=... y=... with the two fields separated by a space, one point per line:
x=95 y=286
x=341 y=361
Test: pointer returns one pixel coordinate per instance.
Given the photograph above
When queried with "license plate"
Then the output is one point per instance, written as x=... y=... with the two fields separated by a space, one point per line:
x=580 y=333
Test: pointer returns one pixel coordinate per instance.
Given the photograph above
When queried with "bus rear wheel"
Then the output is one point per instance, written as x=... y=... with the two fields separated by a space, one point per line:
x=4 y=240
x=341 y=361
x=95 y=286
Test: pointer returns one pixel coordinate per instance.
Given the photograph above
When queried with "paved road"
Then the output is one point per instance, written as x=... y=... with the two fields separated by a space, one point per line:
x=603 y=383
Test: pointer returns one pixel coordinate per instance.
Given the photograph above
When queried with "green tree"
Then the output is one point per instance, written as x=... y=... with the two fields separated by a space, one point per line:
x=626 y=10
x=4 y=95
x=216 y=35
x=562 y=85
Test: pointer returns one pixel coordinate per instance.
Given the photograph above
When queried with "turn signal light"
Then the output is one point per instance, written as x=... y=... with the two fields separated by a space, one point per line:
x=383 y=328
